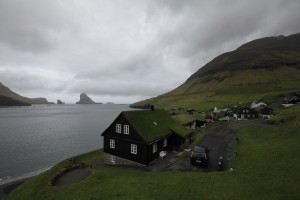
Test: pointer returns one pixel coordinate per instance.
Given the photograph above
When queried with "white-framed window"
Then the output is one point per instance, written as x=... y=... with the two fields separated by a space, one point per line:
x=126 y=129
x=133 y=149
x=113 y=159
x=165 y=142
x=112 y=143
x=154 y=149
x=118 y=128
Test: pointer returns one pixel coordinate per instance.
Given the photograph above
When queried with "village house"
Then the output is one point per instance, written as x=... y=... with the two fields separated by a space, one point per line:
x=189 y=121
x=246 y=113
x=138 y=137
x=266 y=112
x=210 y=119
x=291 y=99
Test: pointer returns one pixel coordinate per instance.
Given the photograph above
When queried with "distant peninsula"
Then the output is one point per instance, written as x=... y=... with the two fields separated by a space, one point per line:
x=5 y=91
x=7 y=101
x=85 y=99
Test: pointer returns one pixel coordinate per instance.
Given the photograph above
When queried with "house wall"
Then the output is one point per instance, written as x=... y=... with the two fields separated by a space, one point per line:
x=112 y=159
x=123 y=149
x=133 y=134
x=160 y=147
x=123 y=142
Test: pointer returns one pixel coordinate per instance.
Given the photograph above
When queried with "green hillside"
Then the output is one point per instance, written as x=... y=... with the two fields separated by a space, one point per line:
x=261 y=69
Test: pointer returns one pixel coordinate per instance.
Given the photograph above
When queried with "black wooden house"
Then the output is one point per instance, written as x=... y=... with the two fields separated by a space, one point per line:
x=137 y=137
x=246 y=113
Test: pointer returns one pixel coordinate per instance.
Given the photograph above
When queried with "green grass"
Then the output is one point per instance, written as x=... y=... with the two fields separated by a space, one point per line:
x=267 y=167
x=153 y=125
x=288 y=117
x=237 y=88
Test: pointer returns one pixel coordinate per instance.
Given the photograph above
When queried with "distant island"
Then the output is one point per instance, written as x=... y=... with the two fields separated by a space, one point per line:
x=85 y=99
x=60 y=102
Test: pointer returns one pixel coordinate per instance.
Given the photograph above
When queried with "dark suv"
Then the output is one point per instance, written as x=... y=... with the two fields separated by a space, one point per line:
x=199 y=156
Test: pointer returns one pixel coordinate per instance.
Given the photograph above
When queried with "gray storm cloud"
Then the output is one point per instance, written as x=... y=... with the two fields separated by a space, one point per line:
x=125 y=51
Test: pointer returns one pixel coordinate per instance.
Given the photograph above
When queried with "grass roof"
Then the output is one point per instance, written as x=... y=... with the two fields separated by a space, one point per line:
x=186 y=118
x=153 y=125
x=183 y=118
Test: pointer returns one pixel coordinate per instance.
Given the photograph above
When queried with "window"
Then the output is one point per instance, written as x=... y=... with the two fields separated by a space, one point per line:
x=112 y=143
x=118 y=128
x=126 y=129
x=113 y=159
x=154 y=148
x=165 y=142
x=133 y=148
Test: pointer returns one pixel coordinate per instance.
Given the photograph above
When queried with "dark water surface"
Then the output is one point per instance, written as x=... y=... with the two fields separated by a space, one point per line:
x=34 y=138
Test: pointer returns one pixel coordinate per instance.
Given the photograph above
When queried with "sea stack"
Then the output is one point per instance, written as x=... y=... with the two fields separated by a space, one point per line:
x=84 y=99
x=60 y=102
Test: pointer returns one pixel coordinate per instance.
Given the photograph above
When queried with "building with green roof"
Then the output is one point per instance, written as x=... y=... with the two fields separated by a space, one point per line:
x=137 y=137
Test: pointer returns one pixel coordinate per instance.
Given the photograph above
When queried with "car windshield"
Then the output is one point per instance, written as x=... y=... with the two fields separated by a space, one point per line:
x=199 y=149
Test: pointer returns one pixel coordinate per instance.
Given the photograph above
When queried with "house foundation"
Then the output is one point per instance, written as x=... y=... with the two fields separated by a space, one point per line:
x=115 y=160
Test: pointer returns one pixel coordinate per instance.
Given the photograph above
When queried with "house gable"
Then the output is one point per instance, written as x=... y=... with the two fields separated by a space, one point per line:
x=133 y=134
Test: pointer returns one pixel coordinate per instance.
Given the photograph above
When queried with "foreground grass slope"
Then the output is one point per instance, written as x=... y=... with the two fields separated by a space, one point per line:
x=288 y=117
x=267 y=167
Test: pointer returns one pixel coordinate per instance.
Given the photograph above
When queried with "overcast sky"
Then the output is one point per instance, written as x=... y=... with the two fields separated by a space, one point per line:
x=124 y=51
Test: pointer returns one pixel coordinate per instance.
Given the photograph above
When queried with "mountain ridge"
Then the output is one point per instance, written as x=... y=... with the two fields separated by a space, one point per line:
x=262 y=69
x=268 y=53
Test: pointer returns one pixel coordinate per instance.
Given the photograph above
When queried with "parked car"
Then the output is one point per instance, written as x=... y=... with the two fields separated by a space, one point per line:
x=200 y=156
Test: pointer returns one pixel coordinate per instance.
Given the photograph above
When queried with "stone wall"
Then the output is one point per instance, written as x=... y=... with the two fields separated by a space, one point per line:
x=115 y=160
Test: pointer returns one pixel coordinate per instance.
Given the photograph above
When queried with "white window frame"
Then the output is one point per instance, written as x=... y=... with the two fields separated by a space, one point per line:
x=126 y=129
x=133 y=149
x=154 y=148
x=165 y=142
x=118 y=128
x=112 y=143
x=113 y=159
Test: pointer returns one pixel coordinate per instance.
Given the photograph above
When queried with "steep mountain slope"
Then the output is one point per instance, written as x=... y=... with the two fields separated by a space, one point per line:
x=261 y=69
x=5 y=91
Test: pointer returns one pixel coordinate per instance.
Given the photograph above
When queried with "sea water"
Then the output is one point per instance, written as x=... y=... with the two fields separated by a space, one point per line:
x=34 y=138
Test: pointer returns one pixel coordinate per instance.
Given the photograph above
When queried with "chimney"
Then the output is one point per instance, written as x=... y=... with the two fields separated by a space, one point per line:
x=152 y=107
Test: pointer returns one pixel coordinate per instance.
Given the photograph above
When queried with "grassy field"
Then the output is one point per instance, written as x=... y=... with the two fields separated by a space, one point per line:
x=288 y=117
x=225 y=89
x=267 y=167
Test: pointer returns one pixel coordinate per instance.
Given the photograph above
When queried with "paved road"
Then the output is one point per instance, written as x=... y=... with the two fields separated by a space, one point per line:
x=219 y=141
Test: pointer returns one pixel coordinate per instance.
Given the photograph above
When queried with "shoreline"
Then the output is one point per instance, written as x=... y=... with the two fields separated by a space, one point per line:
x=6 y=188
